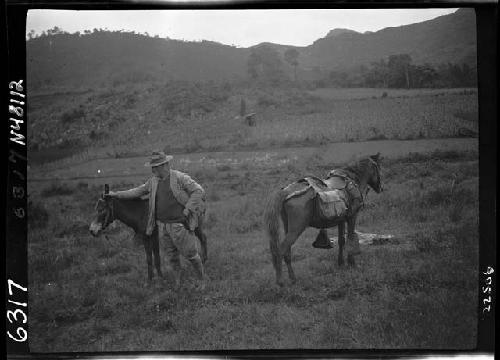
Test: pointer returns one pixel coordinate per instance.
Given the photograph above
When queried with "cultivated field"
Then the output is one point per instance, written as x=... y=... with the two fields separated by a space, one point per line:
x=131 y=120
x=418 y=291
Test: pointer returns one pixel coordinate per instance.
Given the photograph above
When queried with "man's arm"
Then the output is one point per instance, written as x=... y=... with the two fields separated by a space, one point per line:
x=189 y=185
x=132 y=193
x=195 y=206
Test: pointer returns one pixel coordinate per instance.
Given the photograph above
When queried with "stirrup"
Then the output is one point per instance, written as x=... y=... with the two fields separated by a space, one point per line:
x=322 y=242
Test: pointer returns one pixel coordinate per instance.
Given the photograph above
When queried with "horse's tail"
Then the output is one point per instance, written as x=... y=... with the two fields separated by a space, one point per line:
x=272 y=215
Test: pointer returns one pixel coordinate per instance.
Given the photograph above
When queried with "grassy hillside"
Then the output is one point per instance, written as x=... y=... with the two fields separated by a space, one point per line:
x=104 y=58
x=418 y=291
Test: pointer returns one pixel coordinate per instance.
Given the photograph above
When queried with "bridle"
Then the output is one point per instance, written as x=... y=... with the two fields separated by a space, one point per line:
x=110 y=215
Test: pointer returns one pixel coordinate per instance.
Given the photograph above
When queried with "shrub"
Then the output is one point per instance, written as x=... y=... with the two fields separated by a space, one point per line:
x=266 y=100
x=471 y=116
x=182 y=97
x=72 y=116
x=56 y=189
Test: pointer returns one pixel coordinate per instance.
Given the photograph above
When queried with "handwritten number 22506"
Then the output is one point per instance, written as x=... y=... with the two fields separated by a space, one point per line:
x=487 y=289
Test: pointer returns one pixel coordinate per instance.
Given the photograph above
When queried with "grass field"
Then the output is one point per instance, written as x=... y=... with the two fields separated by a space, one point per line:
x=131 y=120
x=417 y=292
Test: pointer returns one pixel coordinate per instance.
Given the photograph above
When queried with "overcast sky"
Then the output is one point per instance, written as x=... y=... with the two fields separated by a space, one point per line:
x=232 y=27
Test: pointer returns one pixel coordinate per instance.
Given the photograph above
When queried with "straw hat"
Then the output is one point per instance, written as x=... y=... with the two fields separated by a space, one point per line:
x=158 y=158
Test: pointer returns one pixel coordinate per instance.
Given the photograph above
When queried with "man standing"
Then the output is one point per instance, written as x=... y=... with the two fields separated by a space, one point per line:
x=176 y=204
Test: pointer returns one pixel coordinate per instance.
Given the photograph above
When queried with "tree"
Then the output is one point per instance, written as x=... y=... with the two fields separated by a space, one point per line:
x=253 y=63
x=399 y=67
x=31 y=34
x=423 y=75
x=264 y=64
x=378 y=74
x=291 y=57
x=243 y=107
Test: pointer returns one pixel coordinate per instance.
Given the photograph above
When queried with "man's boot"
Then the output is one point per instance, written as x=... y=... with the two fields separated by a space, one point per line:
x=176 y=272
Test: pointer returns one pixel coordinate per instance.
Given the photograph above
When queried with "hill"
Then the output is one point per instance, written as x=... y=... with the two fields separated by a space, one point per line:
x=448 y=38
x=103 y=57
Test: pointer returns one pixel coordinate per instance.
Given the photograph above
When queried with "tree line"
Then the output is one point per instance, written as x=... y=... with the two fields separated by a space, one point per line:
x=266 y=65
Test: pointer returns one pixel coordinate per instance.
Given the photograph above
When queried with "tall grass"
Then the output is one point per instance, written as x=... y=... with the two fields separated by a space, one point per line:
x=420 y=292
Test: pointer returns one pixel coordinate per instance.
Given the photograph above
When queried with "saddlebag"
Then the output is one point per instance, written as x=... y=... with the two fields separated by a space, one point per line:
x=331 y=204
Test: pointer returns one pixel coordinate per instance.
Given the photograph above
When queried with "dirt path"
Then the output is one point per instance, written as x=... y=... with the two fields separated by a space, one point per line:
x=112 y=169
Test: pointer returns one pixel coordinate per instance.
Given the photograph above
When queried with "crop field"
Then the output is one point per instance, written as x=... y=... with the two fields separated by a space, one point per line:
x=418 y=291
x=129 y=121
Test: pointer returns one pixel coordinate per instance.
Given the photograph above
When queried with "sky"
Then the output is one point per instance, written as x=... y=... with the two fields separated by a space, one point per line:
x=242 y=28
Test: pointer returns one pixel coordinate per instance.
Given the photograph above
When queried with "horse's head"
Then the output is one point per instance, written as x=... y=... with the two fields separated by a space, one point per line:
x=104 y=216
x=373 y=169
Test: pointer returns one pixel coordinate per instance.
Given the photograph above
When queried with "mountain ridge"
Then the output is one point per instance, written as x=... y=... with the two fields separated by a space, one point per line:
x=77 y=60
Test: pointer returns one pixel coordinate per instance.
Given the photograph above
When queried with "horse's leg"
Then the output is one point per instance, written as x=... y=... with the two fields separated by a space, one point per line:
x=147 y=248
x=285 y=248
x=288 y=262
x=341 y=241
x=352 y=240
x=156 y=252
x=275 y=251
x=200 y=234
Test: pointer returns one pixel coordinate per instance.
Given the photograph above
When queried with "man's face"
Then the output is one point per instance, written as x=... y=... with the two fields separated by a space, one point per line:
x=161 y=171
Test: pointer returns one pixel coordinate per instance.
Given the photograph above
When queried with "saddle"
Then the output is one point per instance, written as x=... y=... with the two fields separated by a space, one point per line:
x=333 y=182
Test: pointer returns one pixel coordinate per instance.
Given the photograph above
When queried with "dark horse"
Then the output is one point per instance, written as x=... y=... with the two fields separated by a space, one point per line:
x=134 y=213
x=298 y=212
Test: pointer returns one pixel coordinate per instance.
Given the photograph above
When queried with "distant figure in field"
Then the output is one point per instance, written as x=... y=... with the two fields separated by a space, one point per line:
x=250 y=119
x=176 y=205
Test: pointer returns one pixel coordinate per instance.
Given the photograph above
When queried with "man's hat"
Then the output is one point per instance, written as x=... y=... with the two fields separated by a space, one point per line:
x=158 y=158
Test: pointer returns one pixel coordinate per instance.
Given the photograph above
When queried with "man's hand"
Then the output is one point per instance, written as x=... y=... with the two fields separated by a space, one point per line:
x=109 y=194
x=186 y=212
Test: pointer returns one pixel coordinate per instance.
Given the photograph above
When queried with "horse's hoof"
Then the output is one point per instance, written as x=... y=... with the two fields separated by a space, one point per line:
x=341 y=262
x=350 y=260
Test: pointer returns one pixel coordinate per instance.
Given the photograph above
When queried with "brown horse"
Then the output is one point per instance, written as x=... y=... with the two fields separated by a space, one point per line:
x=134 y=213
x=298 y=212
